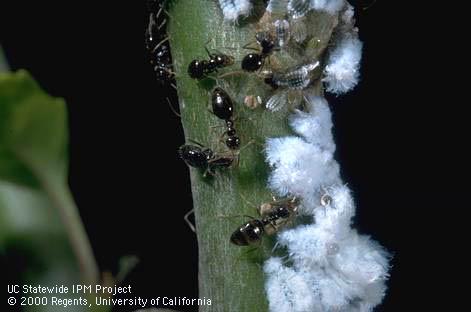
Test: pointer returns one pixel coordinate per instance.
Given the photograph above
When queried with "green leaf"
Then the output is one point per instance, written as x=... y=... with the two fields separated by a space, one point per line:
x=25 y=213
x=33 y=131
x=33 y=160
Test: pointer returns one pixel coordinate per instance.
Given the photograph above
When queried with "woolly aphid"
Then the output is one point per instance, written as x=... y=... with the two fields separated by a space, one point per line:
x=314 y=128
x=332 y=266
x=233 y=9
x=342 y=71
x=298 y=8
x=299 y=168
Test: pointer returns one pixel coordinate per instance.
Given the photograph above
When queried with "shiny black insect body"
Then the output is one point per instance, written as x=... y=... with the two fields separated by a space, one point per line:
x=199 y=69
x=274 y=216
x=224 y=109
x=198 y=156
x=254 y=61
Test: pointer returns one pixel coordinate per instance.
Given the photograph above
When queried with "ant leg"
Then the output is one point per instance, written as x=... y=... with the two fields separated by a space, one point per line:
x=252 y=250
x=245 y=253
x=213 y=131
x=172 y=108
x=209 y=171
x=235 y=216
x=236 y=161
x=229 y=48
x=209 y=53
x=157 y=16
x=217 y=51
x=159 y=11
x=195 y=142
x=206 y=47
x=187 y=220
x=160 y=43
x=250 y=203
x=247 y=201
x=246 y=46
x=169 y=15
x=210 y=77
x=233 y=73
x=221 y=137
x=247 y=145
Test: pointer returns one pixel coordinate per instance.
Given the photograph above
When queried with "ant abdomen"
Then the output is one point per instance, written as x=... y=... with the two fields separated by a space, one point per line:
x=195 y=156
x=248 y=234
x=223 y=108
x=222 y=104
x=197 y=69
x=204 y=158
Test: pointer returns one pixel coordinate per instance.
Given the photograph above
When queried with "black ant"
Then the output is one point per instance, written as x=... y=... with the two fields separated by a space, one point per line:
x=161 y=60
x=157 y=45
x=198 y=156
x=274 y=215
x=224 y=109
x=254 y=61
x=198 y=69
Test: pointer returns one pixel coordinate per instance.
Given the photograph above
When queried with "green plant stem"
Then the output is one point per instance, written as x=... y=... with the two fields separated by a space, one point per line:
x=231 y=276
x=61 y=198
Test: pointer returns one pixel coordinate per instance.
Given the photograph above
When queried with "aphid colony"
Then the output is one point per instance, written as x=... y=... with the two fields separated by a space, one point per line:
x=275 y=33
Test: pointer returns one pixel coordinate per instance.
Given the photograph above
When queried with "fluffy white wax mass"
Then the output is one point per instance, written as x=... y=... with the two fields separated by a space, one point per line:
x=233 y=9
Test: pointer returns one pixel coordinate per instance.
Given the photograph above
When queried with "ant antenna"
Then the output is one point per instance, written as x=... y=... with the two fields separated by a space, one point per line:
x=247 y=46
x=369 y=5
x=247 y=201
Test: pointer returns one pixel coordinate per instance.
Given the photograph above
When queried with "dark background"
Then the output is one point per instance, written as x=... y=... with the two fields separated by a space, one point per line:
x=123 y=139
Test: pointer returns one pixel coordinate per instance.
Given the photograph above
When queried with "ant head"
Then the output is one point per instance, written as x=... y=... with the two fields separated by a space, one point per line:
x=249 y=233
x=193 y=155
x=270 y=81
x=266 y=42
